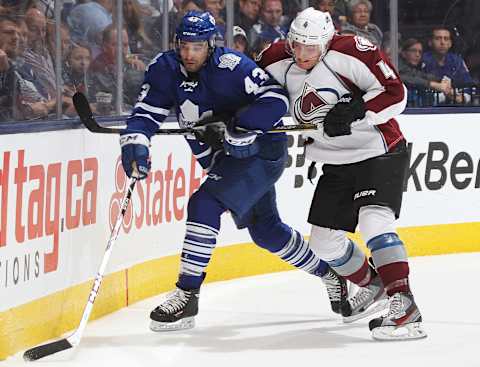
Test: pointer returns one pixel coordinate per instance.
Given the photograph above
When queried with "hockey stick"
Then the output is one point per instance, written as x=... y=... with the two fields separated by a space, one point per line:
x=74 y=339
x=86 y=117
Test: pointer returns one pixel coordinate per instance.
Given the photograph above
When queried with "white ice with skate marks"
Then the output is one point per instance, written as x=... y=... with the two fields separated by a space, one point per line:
x=284 y=319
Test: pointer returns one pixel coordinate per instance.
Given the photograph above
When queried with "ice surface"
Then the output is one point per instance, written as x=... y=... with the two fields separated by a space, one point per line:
x=284 y=319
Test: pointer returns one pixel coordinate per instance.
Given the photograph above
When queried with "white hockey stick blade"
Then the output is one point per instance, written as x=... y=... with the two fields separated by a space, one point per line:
x=411 y=331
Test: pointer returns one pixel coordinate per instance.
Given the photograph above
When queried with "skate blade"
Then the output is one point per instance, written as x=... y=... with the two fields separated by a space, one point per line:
x=373 y=309
x=183 y=324
x=409 y=331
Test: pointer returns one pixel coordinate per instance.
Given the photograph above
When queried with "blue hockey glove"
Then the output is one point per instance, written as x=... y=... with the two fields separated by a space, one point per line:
x=339 y=119
x=240 y=144
x=135 y=154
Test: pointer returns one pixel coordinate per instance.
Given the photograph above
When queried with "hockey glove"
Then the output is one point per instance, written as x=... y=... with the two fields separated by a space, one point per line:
x=240 y=144
x=135 y=154
x=338 y=120
x=211 y=135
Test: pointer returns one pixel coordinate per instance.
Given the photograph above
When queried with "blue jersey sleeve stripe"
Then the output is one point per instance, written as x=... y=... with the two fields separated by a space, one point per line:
x=212 y=162
x=147 y=116
x=203 y=154
x=153 y=109
x=268 y=87
x=276 y=95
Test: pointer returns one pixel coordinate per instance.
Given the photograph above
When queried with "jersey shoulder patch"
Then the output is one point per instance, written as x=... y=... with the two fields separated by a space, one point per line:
x=358 y=47
x=348 y=43
x=363 y=44
x=275 y=52
x=229 y=61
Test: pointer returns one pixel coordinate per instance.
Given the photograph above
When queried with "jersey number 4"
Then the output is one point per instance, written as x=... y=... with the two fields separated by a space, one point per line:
x=386 y=70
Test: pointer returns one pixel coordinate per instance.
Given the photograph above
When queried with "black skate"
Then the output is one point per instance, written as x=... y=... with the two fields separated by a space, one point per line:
x=176 y=312
x=403 y=321
x=366 y=301
x=336 y=289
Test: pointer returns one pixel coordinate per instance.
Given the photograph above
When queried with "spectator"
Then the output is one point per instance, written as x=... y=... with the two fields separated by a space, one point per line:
x=156 y=29
x=247 y=14
x=139 y=42
x=417 y=80
x=240 y=40
x=190 y=5
x=102 y=78
x=65 y=42
x=290 y=10
x=259 y=46
x=443 y=63
x=75 y=75
x=359 y=22
x=269 y=25
x=336 y=8
x=23 y=31
x=19 y=97
x=37 y=56
x=215 y=7
x=88 y=20
x=9 y=44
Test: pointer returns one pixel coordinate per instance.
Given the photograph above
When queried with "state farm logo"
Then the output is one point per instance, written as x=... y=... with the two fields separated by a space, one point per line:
x=161 y=198
x=116 y=200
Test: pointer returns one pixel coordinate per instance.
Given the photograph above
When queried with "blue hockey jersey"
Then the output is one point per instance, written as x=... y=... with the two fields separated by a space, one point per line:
x=228 y=83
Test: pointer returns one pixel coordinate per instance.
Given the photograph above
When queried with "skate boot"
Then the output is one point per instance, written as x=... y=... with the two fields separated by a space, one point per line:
x=176 y=312
x=336 y=289
x=366 y=301
x=402 y=322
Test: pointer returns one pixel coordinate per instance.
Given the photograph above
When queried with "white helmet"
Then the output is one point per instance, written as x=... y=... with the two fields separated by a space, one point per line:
x=312 y=27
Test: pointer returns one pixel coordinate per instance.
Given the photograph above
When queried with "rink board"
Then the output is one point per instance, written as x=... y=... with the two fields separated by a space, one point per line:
x=60 y=192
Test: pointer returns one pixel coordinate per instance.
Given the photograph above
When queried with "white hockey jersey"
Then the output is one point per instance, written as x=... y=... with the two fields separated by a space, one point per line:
x=352 y=65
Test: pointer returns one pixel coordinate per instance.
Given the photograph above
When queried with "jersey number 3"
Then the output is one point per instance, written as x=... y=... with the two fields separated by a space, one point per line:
x=259 y=76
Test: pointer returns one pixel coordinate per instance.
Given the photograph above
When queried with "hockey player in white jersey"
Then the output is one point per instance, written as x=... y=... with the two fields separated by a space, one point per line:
x=349 y=88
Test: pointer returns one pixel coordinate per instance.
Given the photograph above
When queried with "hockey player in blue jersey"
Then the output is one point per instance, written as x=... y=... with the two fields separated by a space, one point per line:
x=199 y=80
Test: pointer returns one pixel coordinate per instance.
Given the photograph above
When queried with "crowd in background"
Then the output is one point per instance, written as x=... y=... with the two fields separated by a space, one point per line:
x=433 y=70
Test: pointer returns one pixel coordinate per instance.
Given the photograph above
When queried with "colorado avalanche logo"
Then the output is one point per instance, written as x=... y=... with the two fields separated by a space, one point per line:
x=314 y=104
x=363 y=44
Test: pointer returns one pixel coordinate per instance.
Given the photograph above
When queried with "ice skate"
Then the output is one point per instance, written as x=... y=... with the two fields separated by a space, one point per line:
x=176 y=312
x=336 y=288
x=402 y=322
x=366 y=301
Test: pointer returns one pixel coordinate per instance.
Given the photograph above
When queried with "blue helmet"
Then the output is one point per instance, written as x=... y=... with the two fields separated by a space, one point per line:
x=197 y=26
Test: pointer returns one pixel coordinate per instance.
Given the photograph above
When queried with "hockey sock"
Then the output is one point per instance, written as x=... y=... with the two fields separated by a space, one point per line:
x=353 y=265
x=203 y=224
x=390 y=259
x=297 y=253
